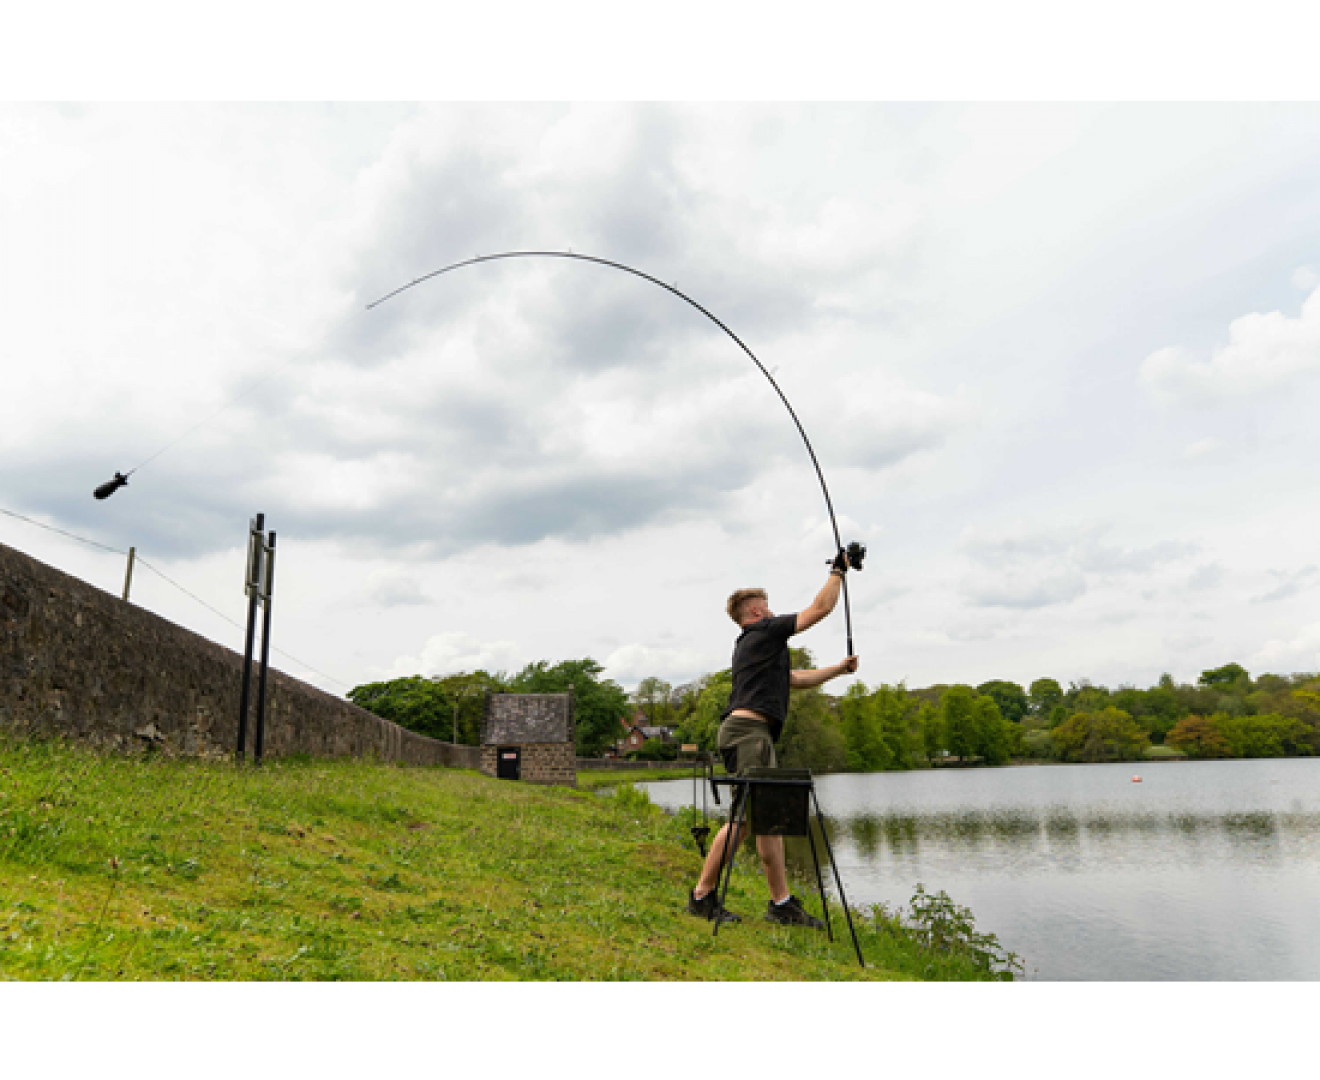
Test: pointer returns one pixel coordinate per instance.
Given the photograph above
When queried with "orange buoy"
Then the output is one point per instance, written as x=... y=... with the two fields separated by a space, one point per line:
x=1136 y=779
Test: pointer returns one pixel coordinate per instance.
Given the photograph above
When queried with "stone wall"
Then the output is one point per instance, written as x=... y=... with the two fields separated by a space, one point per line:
x=623 y=765
x=83 y=664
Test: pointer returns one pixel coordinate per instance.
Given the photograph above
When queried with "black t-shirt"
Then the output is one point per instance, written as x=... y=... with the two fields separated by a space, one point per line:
x=761 y=670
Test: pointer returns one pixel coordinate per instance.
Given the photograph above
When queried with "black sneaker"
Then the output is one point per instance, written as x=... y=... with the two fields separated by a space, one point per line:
x=708 y=907
x=791 y=913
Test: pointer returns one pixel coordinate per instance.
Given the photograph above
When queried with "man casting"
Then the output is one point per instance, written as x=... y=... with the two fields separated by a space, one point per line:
x=752 y=724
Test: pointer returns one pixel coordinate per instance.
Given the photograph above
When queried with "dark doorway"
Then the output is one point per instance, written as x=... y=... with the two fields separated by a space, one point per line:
x=508 y=763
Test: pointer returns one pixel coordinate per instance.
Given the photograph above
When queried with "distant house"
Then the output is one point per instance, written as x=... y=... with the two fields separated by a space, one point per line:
x=529 y=737
x=637 y=731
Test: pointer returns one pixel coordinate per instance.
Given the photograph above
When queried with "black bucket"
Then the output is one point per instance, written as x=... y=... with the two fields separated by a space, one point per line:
x=782 y=808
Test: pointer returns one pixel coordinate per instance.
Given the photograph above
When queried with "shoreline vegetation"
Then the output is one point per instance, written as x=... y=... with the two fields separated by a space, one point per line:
x=1225 y=714
x=148 y=867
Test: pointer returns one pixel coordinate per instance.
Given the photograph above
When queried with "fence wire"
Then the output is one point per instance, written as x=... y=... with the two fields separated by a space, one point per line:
x=140 y=561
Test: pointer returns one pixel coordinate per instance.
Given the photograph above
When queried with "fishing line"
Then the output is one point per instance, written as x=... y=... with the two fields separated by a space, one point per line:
x=121 y=479
x=820 y=475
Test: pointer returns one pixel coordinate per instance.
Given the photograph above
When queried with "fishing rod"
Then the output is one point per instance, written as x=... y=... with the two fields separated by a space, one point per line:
x=853 y=554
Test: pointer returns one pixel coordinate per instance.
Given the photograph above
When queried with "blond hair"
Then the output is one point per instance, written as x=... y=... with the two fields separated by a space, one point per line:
x=738 y=602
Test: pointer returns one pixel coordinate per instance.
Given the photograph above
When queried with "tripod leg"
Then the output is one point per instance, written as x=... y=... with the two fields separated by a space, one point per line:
x=730 y=850
x=843 y=900
x=820 y=882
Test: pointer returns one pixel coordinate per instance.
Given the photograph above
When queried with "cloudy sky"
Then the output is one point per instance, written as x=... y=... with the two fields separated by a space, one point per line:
x=1060 y=363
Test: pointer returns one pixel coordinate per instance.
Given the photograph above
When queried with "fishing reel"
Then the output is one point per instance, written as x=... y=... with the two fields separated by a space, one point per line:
x=853 y=554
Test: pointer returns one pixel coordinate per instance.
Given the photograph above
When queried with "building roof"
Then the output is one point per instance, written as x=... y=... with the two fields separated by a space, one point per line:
x=518 y=719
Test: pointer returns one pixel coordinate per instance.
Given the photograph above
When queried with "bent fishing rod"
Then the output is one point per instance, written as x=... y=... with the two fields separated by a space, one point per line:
x=855 y=552
x=852 y=555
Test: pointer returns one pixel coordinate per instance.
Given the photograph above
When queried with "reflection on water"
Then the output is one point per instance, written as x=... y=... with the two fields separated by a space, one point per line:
x=1207 y=870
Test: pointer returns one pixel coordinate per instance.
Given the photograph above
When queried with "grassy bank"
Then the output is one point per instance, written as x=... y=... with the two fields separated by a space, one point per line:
x=596 y=779
x=128 y=868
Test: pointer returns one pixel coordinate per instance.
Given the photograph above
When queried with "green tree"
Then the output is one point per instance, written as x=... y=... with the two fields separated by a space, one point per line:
x=863 y=743
x=468 y=690
x=1198 y=737
x=894 y=714
x=811 y=738
x=1044 y=695
x=652 y=696
x=992 y=740
x=1269 y=735
x=1012 y=699
x=414 y=702
x=1039 y=744
x=932 y=730
x=599 y=704
x=702 y=725
x=1107 y=735
x=1230 y=676
x=958 y=721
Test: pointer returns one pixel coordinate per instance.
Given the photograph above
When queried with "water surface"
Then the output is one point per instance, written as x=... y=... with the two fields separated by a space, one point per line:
x=1203 y=871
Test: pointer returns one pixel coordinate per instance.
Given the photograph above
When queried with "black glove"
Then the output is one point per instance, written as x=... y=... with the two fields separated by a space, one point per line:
x=840 y=562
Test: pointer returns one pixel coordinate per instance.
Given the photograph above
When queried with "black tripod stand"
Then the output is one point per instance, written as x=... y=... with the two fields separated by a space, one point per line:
x=780 y=802
x=702 y=831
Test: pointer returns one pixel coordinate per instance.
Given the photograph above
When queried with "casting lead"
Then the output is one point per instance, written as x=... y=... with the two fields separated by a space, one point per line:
x=111 y=486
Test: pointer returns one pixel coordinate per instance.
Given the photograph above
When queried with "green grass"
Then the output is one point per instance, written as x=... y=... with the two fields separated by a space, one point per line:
x=115 y=867
x=595 y=779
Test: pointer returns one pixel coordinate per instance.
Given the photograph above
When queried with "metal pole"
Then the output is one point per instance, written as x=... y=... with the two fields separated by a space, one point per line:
x=820 y=881
x=455 y=704
x=843 y=900
x=731 y=839
x=268 y=600
x=253 y=587
x=128 y=574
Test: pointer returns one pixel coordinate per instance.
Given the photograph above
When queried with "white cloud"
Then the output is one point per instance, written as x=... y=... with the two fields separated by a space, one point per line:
x=1265 y=352
x=1290 y=583
x=629 y=664
x=1201 y=449
x=1024 y=590
x=395 y=588
x=1305 y=278
x=1206 y=577
x=1298 y=653
x=456 y=651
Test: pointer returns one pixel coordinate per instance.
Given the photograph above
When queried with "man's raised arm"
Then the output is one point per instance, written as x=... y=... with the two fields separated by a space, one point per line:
x=823 y=604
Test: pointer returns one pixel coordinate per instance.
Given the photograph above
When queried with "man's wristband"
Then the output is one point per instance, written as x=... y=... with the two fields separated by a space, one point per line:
x=836 y=570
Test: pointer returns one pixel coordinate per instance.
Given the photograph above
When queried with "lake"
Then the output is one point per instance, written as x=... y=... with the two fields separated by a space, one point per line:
x=1203 y=871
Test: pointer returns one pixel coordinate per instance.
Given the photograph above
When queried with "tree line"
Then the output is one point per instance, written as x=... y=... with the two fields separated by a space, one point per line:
x=1224 y=714
x=451 y=708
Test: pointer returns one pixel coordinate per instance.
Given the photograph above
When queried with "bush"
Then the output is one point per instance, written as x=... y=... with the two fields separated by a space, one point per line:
x=654 y=750
x=946 y=934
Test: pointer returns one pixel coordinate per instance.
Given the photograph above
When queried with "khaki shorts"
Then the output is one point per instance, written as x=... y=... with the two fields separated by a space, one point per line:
x=745 y=743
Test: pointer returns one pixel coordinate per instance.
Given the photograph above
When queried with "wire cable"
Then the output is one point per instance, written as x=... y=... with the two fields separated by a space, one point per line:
x=140 y=561
x=71 y=536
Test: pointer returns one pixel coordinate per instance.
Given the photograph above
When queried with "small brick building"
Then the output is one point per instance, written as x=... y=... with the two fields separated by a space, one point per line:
x=529 y=737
